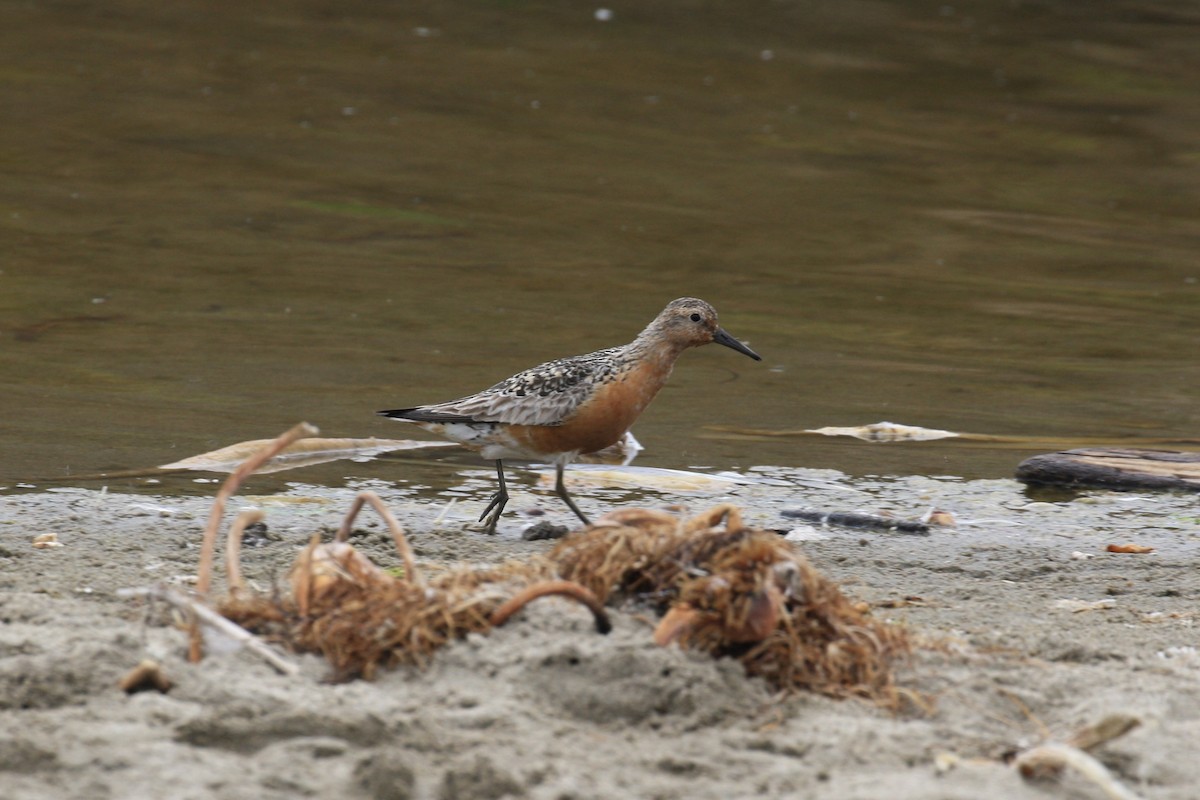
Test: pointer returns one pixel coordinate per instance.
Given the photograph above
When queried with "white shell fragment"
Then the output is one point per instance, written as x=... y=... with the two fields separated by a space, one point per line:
x=887 y=432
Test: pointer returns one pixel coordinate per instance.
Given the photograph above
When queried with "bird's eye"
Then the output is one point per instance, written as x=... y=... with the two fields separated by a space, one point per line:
x=695 y=317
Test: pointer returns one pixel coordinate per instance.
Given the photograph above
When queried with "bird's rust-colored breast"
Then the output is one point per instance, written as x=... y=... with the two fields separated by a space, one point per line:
x=602 y=419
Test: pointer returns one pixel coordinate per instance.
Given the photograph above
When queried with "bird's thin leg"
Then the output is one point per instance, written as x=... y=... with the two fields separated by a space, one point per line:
x=499 y=501
x=561 y=491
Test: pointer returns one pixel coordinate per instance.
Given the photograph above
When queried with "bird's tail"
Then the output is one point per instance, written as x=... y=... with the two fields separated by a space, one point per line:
x=423 y=414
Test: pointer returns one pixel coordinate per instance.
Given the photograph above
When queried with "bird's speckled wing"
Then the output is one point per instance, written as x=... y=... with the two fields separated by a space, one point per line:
x=547 y=394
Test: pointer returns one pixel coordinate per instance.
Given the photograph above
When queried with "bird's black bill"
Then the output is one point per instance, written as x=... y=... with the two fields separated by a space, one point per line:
x=721 y=337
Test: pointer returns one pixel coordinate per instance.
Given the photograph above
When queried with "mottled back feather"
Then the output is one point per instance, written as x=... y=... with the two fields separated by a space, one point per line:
x=547 y=394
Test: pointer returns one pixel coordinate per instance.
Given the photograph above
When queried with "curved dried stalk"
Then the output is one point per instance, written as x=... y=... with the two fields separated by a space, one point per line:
x=402 y=547
x=547 y=588
x=302 y=572
x=233 y=548
x=711 y=518
x=208 y=545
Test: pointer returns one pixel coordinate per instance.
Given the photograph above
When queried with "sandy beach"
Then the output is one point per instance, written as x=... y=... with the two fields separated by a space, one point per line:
x=1035 y=630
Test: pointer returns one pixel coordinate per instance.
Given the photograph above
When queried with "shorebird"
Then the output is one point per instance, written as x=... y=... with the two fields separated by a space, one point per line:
x=563 y=409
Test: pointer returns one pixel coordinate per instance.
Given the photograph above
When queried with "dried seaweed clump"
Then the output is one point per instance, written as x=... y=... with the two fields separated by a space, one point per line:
x=730 y=590
x=362 y=625
x=361 y=618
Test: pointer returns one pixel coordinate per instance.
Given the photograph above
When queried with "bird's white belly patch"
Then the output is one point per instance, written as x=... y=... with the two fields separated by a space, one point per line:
x=491 y=440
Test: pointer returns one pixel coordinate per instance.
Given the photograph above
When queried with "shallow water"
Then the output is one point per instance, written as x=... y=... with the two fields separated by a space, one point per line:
x=218 y=220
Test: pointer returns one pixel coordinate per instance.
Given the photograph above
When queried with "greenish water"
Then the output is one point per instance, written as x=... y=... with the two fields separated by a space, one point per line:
x=218 y=219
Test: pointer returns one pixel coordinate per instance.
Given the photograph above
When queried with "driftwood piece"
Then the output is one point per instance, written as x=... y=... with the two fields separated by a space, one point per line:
x=206 y=615
x=1114 y=468
x=1053 y=758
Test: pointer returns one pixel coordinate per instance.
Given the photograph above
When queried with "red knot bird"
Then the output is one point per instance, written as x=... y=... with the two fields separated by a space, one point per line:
x=563 y=409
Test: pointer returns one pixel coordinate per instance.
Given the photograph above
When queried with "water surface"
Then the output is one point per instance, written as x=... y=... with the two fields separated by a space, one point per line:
x=218 y=219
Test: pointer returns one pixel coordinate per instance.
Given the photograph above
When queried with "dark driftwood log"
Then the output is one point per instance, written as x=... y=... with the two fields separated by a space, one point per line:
x=1114 y=468
x=848 y=519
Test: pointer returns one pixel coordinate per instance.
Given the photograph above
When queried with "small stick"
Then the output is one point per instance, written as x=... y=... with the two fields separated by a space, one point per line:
x=445 y=510
x=302 y=575
x=233 y=548
x=203 y=613
x=547 y=588
x=406 y=553
x=1051 y=758
x=204 y=576
x=1107 y=729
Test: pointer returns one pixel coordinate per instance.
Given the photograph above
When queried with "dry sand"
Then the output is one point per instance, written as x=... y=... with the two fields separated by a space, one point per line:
x=546 y=708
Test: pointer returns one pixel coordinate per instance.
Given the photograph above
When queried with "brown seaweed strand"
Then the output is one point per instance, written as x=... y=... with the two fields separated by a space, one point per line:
x=402 y=546
x=233 y=548
x=547 y=588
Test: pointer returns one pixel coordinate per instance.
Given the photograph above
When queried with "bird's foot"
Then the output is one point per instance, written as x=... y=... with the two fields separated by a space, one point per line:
x=493 y=511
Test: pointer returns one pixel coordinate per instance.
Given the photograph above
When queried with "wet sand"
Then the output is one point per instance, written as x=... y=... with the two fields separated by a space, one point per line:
x=546 y=708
